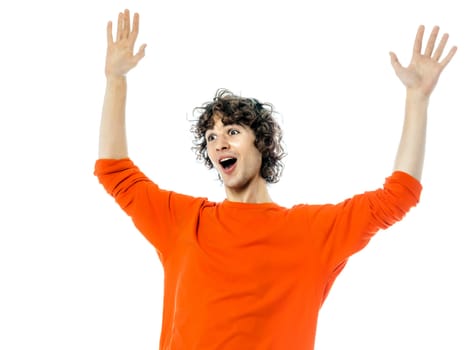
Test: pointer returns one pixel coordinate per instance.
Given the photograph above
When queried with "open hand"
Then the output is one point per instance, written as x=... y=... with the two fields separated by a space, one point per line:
x=425 y=68
x=120 y=58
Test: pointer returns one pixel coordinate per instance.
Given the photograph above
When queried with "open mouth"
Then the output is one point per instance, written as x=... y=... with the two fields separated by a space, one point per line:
x=227 y=163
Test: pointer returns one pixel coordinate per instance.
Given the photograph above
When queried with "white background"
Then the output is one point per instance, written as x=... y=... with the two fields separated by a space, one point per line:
x=75 y=273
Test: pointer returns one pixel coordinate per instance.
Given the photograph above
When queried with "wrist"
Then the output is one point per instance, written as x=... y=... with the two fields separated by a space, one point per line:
x=116 y=78
x=116 y=81
x=416 y=96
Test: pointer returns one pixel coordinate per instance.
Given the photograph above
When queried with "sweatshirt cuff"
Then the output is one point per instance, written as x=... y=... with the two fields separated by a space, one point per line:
x=109 y=166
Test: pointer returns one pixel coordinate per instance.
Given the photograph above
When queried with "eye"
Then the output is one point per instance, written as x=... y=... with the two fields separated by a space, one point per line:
x=210 y=137
x=232 y=132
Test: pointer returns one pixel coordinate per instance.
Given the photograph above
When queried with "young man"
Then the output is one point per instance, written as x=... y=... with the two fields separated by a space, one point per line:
x=247 y=273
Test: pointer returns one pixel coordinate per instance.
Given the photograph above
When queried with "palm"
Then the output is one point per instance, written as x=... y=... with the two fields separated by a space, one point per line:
x=425 y=67
x=119 y=58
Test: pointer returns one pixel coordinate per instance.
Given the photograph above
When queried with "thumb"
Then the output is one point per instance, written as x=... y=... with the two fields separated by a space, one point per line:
x=141 y=53
x=395 y=62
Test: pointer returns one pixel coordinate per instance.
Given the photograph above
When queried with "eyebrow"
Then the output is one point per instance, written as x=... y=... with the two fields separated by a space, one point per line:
x=227 y=125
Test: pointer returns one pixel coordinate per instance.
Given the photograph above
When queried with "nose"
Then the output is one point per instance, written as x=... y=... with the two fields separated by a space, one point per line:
x=221 y=143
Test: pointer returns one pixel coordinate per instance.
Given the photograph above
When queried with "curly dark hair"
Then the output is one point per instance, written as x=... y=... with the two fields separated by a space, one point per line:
x=247 y=112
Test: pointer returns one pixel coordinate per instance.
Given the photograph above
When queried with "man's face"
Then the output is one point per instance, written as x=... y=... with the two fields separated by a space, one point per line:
x=233 y=153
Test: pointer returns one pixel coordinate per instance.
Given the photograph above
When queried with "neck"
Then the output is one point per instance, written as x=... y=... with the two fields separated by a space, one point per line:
x=249 y=194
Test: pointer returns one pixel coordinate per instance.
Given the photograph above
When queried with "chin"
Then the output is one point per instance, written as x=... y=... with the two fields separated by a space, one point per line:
x=234 y=185
x=238 y=184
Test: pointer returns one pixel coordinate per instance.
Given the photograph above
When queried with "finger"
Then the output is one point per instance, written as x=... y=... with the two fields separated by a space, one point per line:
x=431 y=42
x=136 y=23
x=136 y=27
x=126 y=24
x=110 y=39
x=120 y=26
x=418 y=40
x=449 y=57
x=441 y=47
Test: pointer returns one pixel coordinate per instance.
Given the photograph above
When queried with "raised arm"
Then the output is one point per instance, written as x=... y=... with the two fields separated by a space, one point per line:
x=119 y=61
x=420 y=79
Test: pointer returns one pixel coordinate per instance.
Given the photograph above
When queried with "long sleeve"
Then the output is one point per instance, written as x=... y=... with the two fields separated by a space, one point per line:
x=159 y=215
x=345 y=228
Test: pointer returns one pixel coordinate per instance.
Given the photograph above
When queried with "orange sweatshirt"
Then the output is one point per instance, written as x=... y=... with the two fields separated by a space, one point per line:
x=242 y=276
